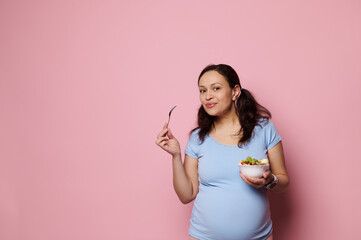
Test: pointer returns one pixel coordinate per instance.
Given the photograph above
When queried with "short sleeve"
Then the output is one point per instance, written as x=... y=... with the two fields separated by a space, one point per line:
x=193 y=145
x=271 y=135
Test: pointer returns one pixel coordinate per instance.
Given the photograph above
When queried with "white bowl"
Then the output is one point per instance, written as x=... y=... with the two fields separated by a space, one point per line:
x=253 y=170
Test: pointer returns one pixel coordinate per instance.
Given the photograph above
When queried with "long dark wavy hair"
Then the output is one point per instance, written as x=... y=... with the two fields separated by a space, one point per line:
x=249 y=111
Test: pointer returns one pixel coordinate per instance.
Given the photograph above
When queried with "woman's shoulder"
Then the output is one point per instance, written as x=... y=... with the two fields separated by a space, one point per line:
x=193 y=143
x=263 y=122
x=195 y=131
x=194 y=134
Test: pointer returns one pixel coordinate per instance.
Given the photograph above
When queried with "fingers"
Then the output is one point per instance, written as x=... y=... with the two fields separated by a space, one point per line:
x=161 y=137
x=266 y=174
x=161 y=140
x=170 y=134
x=254 y=182
x=245 y=179
x=163 y=132
x=167 y=141
x=268 y=177
x=163 y=143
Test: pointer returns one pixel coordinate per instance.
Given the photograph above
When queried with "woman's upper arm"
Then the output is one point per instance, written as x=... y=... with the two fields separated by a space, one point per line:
x=191 y=170
x=277 y=160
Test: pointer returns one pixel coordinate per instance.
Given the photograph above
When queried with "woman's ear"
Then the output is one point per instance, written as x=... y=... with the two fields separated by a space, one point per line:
x=236 y=91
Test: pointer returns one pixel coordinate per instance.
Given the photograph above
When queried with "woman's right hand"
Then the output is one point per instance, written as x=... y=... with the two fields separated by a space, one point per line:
x=168 y=142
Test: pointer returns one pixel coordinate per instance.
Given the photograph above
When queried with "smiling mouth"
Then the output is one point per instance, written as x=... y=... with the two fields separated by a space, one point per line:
x=210 y=105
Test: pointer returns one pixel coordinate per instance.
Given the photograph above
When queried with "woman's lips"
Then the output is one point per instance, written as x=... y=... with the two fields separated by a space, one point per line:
x=210 y=105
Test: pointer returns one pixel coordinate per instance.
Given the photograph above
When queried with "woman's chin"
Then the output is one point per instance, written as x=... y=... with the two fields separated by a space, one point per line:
x=211 y=113
x=218 y=113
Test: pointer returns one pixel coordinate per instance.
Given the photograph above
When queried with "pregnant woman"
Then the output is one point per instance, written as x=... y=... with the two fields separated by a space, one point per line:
x=231 y=127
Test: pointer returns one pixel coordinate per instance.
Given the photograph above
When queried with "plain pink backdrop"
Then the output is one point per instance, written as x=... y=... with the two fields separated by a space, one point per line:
x=85 y=86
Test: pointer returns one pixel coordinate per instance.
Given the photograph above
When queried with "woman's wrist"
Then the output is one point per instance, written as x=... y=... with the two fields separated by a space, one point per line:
x=177 y=156
x=272 y=183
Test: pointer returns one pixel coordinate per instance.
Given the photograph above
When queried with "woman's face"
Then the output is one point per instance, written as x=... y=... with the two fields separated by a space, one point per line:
x=215 y=94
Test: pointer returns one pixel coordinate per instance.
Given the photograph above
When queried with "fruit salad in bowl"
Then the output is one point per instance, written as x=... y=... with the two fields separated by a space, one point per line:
x=253 y=167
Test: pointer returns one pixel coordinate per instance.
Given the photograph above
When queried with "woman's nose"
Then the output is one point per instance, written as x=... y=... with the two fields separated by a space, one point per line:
x=209 y=95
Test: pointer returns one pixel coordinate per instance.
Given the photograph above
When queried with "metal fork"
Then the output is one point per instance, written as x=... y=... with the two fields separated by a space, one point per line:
x=170 y=113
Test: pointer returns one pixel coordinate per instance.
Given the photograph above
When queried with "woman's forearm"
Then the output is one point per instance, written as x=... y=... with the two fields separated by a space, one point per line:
x=282 y=184
x=182 y=184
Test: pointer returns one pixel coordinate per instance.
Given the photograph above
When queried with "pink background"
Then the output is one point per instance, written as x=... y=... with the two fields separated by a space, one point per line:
x=85 y=86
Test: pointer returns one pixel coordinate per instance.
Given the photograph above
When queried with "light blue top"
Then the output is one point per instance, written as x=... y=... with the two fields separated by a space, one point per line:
x=227 y=208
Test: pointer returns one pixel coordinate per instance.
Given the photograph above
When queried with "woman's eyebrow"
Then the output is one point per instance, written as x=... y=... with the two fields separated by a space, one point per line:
x=211 y=84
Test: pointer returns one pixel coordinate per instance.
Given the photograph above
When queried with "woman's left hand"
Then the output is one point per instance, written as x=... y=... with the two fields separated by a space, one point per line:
x=258 y=182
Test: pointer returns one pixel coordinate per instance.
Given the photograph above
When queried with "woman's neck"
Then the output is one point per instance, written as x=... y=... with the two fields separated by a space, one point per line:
x=227 y=127
x=229 y=121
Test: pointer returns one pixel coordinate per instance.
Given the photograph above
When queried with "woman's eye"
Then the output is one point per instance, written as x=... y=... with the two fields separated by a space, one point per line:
x=216 y=88
x=202 y=90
